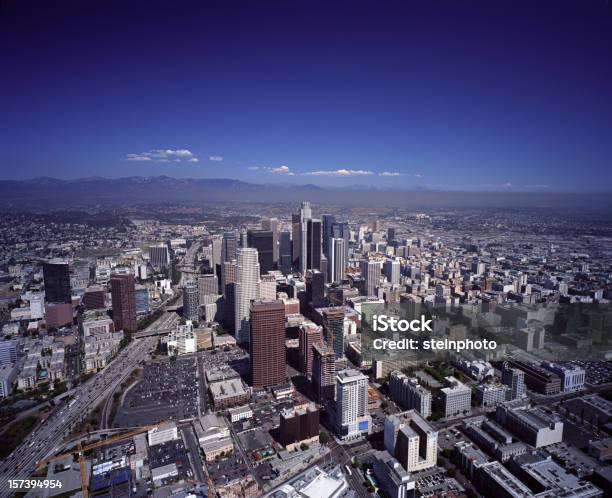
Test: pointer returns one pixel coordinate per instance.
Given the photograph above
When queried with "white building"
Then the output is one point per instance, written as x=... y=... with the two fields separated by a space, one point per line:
x=371 y=272
x=456 y=398
x=246 y=290
x=182 y=340
x=352 y=417
x=410 y=439
x=99 y=326
x=162 y=433
x=392 y=269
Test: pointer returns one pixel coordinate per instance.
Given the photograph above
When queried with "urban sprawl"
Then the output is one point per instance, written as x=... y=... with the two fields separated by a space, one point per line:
x=188 y=351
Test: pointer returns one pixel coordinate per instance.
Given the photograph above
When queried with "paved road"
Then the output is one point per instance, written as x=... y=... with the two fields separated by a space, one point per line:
x=43 y=441
x=191 y=442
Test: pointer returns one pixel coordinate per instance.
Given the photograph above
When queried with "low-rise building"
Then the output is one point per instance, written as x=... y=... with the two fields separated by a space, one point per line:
x=229 y=393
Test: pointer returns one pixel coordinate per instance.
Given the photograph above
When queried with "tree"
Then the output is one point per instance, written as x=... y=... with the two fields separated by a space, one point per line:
x=323 y=437
x=303 y=446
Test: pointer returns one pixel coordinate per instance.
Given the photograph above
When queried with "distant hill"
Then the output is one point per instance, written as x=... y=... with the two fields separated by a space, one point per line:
x=52 y=193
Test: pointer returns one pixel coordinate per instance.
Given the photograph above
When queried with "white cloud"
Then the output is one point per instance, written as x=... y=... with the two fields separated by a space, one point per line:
x=418 y=175
x=137 y=157
x=340 y=172
x=164 y=156
x=389 y=173
x=279 y=170
x=193 y=160
x=215 y=158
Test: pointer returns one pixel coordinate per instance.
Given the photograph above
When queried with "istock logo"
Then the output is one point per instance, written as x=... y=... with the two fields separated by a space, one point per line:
x=383 y=323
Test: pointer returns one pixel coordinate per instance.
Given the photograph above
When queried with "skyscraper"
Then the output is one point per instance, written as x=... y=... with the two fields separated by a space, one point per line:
x=343 y=231
x=370 y=271
x=327 y=221
x=352 y=416
x=57 y=282
x=271 y=224
x=208 y=285
x=228 y=286
x=337 y=265
x=263 y=241
x=159 y=256
x=305 y=216
x=333 y=324
x=391 y=269
x=267 y=288
x=390 y=234
x=323 y=372
x=229 y=246
x=267 y=339
x=309 y=335
x=313 y=249
x=315 y=288
x=191 y=301
x=247 y=290
x=123 y=294
x=296 y=240
x=285 y=258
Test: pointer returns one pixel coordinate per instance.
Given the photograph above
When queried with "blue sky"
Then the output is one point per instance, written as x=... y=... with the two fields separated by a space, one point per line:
x=458 y=95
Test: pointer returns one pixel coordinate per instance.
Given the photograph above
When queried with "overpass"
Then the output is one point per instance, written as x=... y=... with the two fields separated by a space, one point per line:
x=149 y=333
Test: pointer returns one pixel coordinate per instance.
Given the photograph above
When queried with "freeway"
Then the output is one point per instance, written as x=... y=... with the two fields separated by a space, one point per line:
x=43 y=441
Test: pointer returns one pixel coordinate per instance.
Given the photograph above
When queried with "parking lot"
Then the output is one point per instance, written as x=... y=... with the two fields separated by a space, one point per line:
x=169 y=390
x=573 y=459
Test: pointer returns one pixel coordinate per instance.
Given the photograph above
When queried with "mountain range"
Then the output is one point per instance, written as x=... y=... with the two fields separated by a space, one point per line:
x=53 y=193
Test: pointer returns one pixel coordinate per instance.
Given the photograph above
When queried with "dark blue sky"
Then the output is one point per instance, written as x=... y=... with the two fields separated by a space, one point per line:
x=449 y=94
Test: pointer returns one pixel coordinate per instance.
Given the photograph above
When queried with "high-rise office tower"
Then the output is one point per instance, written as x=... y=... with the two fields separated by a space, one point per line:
x=267 y=339
x=327 y=220
x=229 y=246
x=263 y=241
x=337 y=264
x=392 y=269
x=285 y=258
x=56 y=275
x=208 y=285
x=271 y=224
x=296 y=240
x=323 y=372
x=342 y=231
x=228 y=286
x=123 y=294
x=247 y=290
x=352 y=417
x=309 y=335
x=333 y=324
x=390 y=234
x=305 y=216
x=191 y=301
x=315 y=288
x=159 y=256
x=217 y=250
x=370 y=271
x=313 y=237
x=267 y=288
x=244 y=238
